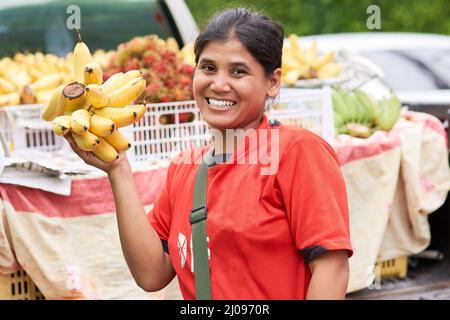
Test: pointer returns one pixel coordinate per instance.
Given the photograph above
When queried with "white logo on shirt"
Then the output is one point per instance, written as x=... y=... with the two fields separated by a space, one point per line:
x=181 y=242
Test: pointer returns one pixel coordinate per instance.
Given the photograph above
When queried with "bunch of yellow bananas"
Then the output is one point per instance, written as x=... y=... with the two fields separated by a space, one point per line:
x=299 y=63
x=92 y=110
x=32 y=77
x=358 y=114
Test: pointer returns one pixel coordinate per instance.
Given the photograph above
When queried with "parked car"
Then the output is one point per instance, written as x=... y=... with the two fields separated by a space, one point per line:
x=30 y=25
x=415 y=65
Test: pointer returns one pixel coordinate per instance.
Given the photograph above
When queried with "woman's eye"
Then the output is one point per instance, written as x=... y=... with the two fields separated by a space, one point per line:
x=238 y=72
x=207 y=68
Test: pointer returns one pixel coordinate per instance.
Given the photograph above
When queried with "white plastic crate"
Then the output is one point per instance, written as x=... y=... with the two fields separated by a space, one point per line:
x=23 y=128
x=307 y=108
x=163 y=133
x=153 y=138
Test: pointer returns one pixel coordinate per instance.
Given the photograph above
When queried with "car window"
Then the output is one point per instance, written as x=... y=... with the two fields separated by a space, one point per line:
x=41 y=25
x=406 y=70
x=438 y=61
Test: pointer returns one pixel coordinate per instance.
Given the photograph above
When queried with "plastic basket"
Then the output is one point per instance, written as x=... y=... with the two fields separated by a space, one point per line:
x=393 y=268
x=307 y=108
x=165 y=130
x=169 y=128
x=19 y=286
x=23 y=128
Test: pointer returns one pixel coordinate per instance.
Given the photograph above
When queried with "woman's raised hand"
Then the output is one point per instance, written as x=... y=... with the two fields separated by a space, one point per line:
x=90 y=158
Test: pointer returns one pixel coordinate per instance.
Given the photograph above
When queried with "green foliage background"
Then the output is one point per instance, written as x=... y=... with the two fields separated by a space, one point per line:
x=305 y=17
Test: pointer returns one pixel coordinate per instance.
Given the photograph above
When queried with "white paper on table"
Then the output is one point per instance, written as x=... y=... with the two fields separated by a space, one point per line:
x=37 y=180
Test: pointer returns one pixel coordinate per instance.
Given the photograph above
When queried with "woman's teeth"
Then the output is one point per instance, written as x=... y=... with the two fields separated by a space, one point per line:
x=224 y=104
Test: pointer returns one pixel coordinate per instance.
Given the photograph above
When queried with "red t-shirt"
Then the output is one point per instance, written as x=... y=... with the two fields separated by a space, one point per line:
x=261 y=228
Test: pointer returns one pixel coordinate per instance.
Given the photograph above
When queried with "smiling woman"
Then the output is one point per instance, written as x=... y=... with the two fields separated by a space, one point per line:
x=292 y=223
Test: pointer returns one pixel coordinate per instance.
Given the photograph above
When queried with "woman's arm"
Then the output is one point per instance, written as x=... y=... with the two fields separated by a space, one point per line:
x=149 y=264
x=329 y=276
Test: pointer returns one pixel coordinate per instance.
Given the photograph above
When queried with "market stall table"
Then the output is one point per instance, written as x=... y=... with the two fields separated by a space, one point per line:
x=71 y=242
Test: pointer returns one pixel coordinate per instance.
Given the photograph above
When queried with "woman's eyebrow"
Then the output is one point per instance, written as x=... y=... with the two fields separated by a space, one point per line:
x=206 y=60
x=239 y=64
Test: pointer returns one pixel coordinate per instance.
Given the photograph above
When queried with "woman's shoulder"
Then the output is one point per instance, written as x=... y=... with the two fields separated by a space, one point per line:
x=291 y=136
x=300 y=145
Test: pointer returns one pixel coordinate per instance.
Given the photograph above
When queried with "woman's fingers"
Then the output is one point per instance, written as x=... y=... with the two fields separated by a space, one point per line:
x=74 y=146
x=88 y=157
x=91 y=159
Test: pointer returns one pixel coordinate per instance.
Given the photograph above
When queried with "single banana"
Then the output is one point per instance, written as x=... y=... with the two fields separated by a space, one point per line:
x=55 y=107
x=17 y=77
x=294 y=47
x=319 y=62
x=118 y=141
x=126 y=94
x=9 y=99
x=311 y=53
x=40 y=63
x=340 y=106
x=19 y=57
x=120 y=116
x=291 y=77
x=113 y=82
x=61 y=125
x=105 y=152
x=51 y=61
x=35 y=74
x=6 y=86
x=290 y=63
x=73 y=96
x=368 y=103
x=101 y=126
x=97 y=98
x=93 y=74
x=80 y=120
x=44 y=96
x=329 y=70
x=81 y=58
x=139 y=110
x=86 y=141
x=120 y=79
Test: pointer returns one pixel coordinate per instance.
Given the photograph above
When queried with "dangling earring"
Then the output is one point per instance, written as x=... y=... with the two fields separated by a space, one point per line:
x=269 y=102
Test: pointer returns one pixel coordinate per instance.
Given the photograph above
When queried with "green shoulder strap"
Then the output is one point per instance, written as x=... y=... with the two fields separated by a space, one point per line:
x=198 y=222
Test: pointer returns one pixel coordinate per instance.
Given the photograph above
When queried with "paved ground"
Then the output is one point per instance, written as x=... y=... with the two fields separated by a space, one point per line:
x=426 y=280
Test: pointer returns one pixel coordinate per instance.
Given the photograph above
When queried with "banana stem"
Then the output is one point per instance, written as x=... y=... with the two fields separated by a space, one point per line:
x=77 y=32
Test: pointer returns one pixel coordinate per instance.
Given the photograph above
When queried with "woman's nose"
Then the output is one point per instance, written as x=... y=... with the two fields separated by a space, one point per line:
x=220 y=84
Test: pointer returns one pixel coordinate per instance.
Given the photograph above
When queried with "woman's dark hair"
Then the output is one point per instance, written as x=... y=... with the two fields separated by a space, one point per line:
x=262 y=37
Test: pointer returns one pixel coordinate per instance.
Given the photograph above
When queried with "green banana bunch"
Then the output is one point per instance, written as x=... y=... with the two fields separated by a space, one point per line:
x=362 y=115
x=351 y=115
x=352 y=107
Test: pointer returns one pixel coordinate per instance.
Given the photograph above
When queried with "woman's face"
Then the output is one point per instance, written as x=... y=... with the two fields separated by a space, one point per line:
x=230 y=86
